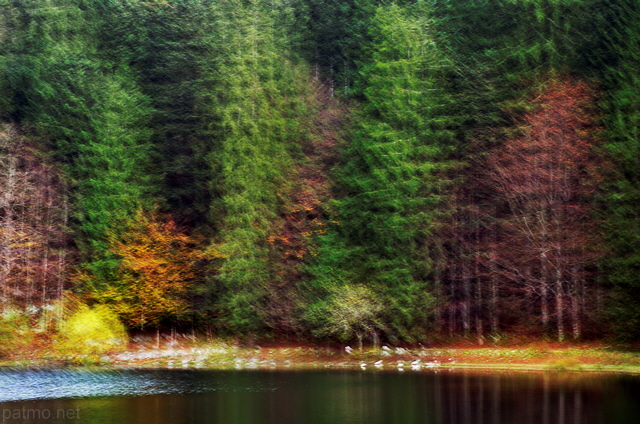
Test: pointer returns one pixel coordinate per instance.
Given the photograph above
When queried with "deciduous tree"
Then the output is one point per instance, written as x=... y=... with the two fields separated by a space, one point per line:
x=34 y=244
x=156 y=271
x=547 y=173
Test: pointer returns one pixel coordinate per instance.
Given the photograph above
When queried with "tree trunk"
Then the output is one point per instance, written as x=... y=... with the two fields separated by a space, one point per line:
x=452 y=294
x=544 y=291
x=478 y=280
x=375 y=339
x=494 y=305
x=466 y=303
x=576 y=281
x=559 y=305
x=438 y=285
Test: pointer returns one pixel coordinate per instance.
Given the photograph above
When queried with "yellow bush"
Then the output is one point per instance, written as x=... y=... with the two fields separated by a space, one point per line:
x=91 y=331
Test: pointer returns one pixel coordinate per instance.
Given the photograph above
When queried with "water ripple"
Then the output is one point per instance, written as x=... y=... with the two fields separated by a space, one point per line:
x=58 y=383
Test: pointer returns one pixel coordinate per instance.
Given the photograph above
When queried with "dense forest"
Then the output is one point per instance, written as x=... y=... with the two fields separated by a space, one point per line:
x=358 y=170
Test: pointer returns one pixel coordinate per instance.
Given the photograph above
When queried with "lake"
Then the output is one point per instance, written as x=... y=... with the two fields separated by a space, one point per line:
x=315 y=397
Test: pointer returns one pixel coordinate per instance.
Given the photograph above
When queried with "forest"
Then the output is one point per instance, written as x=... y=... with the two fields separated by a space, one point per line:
x=364 y=171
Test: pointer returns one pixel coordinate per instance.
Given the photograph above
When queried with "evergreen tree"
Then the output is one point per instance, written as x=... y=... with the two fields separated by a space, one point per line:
x=477 y=35
x=549 y=37
x=338 y=31
x=163 y=42
x=622 y=125
x=10 y=31
x=95 y=120
x=391 y=184
x=253 y=93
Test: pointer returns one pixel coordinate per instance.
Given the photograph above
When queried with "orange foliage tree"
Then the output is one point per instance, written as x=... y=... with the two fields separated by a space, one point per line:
x=156 y=271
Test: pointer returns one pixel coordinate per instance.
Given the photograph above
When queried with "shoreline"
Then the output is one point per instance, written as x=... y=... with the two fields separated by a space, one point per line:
x=216 y=355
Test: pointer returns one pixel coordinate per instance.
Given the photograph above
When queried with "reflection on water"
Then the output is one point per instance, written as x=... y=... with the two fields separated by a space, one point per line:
x=232 y=397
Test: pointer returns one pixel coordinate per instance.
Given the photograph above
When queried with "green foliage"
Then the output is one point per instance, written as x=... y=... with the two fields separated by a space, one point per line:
x=9 y=22
x=552 y=36
x=164 y=43
x=94 y=119
x=477 y=42
x=202 y=110
x=254 y=100
x=91 y=331
x=622 y=131
x=394 y=173
x=350 y=311
x=338 y=30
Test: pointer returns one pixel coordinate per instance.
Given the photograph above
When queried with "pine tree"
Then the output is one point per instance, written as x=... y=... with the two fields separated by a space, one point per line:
x=338 y=31
x=550 y=36
x=10 y=28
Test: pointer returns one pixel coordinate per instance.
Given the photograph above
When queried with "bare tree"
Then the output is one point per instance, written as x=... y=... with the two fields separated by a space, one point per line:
x=33 y=221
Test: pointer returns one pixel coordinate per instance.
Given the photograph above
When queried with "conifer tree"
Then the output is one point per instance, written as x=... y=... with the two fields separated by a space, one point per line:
x=94 y=119
x=10 y=31
x=622 y=122
x=338 y=31
x=550 y=36
x=164 y=43
x=253 y=122
x=392 y=181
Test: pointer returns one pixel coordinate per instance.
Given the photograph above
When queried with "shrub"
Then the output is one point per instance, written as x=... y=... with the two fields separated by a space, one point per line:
x=15 y=331
x=351 y=311
x=91 y=331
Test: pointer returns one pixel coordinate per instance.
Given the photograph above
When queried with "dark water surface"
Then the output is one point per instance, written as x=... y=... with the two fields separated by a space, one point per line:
x=314 y=397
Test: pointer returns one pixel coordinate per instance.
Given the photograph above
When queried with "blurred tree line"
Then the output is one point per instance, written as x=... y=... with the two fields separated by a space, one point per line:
x=360 y=169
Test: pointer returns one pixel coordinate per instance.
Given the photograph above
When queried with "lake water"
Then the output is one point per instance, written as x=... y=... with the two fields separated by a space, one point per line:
x=315 y=397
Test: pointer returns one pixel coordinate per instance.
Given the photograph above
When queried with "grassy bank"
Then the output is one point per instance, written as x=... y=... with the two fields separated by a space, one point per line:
x=218 y=354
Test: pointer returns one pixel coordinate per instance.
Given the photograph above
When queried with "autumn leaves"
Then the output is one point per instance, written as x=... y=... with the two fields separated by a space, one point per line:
x=543 y=180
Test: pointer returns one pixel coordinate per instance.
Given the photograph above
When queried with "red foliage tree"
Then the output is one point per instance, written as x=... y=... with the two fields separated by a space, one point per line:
x=546 y=176
x=303 y=215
